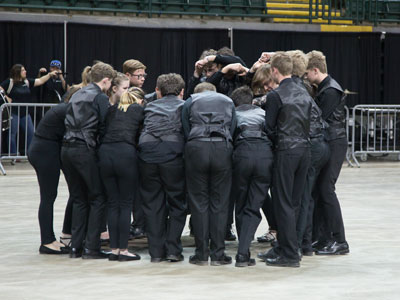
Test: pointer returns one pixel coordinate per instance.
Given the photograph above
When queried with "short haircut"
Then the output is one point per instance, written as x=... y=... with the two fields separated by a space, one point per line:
x=131 y=96
x=204 y=86
x=15 y=72
x=316 y=59
x=170 y=84
x=225 y=51
x=282 y=62
x=208 y=52
x=131 y=65
x=262 y=76
x=300 y=62
x=102 y=70
x=242 y=95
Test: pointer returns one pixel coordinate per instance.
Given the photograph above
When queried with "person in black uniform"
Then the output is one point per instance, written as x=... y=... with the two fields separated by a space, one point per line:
x=53 y=90
x=331 y=99
x=118 y=168
x=209 y=121
x=162 y=176
x=252 y=168
x=44 y=156
x=287 y=119
x=320 y=153
x=84 y=121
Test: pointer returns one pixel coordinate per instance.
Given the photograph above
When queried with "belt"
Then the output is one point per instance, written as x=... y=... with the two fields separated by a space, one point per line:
x=210 y=139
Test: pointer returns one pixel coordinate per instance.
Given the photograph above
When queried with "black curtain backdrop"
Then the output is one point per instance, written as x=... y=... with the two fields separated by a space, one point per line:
x=33 y=45
x=161 y=50
x=354 y=59
x=392 y=64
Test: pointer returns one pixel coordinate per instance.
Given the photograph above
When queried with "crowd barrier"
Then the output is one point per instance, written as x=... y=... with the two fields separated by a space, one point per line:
x=17 y=129
x=375 y=130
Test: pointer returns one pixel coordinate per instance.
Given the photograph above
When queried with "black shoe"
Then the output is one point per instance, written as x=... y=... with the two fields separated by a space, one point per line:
x=266 y=238
x=94 y=254
x=175 y=258
x=334 y=248
x=45 y=250
x=230 y=235
x=244 y=261
x=318 y=245
x=137 y=233
x=122 y=257
x=224 y=260
x=113 y=257
x=157 y=259
x=308 y=251
x=195 y=260
x=281 y=261
x=271 y=253
x=275 y=244
x=75 y=253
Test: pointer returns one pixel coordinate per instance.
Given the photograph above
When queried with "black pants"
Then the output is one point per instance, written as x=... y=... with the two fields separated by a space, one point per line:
x=119 y=171
x=319 y=156
x=85 y=188
x=250 y=184
x=139 y=219
x=44 y=156
x=329 y=202
x=209 y=179
x=290 y=172
x=162 y=188
x=268 y=210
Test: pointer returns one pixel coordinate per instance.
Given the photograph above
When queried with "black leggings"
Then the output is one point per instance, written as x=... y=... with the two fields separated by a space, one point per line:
x=44 y=156
x=118 y=169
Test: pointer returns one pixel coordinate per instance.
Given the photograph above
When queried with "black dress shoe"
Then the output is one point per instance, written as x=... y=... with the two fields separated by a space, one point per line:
x=334 y=248
x=137 y=233
x=318 y=245
x=308 y=251
x=175 y=258
x=230 y=235
x=157 y=259
x=266 y=238
x=244 y=261
x=281 y=261
x=224 y=260
x=113 y=257
x=271 y=253
x=75 y=253
x=195 y=260
x=45 y=250
x=94 y=254
x=122 y=257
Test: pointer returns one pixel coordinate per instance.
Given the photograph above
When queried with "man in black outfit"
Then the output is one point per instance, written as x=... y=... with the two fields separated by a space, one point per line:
x=252 y=168
x=162 y=175
x=209 y=121
x=287 y=121
x=53 y=90
x=84 y=120
x=331 y=99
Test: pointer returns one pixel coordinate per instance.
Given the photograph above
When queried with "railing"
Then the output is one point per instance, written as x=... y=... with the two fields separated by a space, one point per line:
x=375 y=131
x=357 y=11
x=12 y=120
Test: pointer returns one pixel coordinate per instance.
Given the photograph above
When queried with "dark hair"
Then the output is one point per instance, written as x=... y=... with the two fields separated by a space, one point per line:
x=15 y=72
x=102 y=70
x=170 y=84
x=242 y=95
x=226 y=51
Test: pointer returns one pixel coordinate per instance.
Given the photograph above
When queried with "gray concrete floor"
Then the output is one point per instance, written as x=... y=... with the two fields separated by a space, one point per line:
x=371 y=210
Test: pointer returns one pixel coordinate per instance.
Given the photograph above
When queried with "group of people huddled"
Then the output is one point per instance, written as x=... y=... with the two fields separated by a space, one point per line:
x=234 y=141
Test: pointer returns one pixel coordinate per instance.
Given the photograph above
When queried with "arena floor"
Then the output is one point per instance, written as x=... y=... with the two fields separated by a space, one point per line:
x=371 y=210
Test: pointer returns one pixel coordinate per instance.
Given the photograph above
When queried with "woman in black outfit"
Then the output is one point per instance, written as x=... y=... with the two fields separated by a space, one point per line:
x=44 y=156
x=118 y=168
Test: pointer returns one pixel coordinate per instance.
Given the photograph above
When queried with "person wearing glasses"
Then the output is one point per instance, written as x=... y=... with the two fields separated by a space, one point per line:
x=136 y=72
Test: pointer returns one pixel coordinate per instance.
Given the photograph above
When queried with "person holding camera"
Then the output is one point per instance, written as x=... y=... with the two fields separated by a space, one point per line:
x=53 y=90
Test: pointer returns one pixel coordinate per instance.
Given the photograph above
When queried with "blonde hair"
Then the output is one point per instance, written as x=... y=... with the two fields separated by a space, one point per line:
x=282 y=62
x=316 y=59
x=86 y=75
x=131 y=65
x=204 y=86
x=300 y=62
x=262 y=76
x=131 y=96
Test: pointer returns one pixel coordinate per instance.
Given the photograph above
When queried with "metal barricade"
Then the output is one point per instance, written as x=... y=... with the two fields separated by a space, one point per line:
x=349 y=123
x=375 y=130
x=24 y=116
